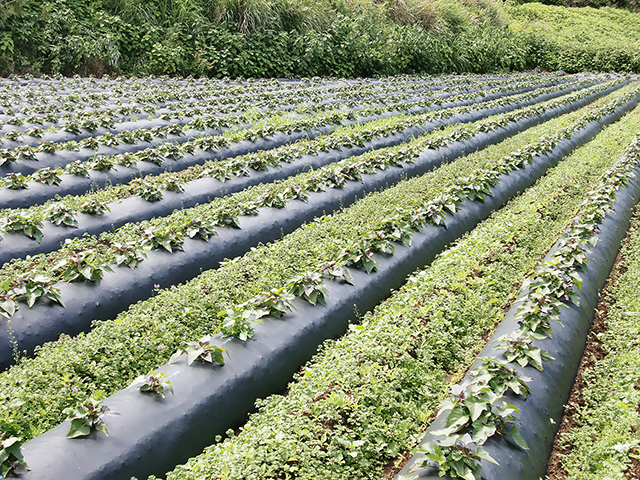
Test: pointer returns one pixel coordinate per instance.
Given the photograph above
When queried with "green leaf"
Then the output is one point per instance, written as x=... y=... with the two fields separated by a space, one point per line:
x=102 y=427
x=312 y=297
x=457 y=418
x=8 y=306
x=14 y=449
x=535 y=359
x=575 y=298
x=217 y=356
x=37 y=234
x=175 y=356
x=434 y=457
x=321 y=300
x=166 y=243
x=577 y=279
x=369 y=264
x=469 y=474
x=193 y=354
x=459 y=467
x=476 y=406
x=79 y=428
x=482 y=431
x=517 y=437
x=31 y=298
x=484 y=455
x=86 y=271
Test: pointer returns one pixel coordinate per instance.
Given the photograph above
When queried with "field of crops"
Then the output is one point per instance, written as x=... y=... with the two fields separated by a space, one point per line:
x=203 y=279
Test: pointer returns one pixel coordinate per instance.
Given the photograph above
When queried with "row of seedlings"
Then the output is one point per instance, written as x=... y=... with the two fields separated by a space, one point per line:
x=598 y=436
x=90 y=124
x=25 y=159
x=78 y=177
x=76 y=121
x=51 y=94
x=232 y=102
x=88 y=259
x=199 y=184
x=464 y=193
x=477 y=427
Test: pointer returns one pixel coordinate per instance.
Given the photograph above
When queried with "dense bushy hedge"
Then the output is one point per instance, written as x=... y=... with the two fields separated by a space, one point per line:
x=282 y=38
x=70 y=36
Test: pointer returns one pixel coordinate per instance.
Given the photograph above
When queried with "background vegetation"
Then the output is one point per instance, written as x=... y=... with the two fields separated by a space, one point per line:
x=285 y=38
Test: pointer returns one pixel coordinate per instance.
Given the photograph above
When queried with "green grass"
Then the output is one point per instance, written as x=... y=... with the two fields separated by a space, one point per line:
x=284 y=38
x=606 y=432
x=579 y=39
x=255 y=38
x=367 y=396
x=114 y=352
x=410 y=193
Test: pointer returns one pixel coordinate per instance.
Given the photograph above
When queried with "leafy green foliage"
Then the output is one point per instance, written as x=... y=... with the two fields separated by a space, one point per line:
x=11 y=460
x=8 y=306
x=24 y=223
x=334 y=270
x=522 y=350
x=276 y=302
x=236 y=322
x=60 y=214
x=203 y=349
x=101 y=163
x=360 y=254
x=456 y=457
x=31 y=287
x=82 y=266
x=94 y=207
x=155 y=383
x=225 y=218
x=130 y=254
x=500 y=377
x=88 y=416
x=305 y=39
x=201 y=227
x=168 y=238
x=78 y=168
x=7 y=156
x=47 y=176
x=571 y=38
x=309 y=286
x=149 y=192
x=158 y=325
x=16 y=181
x=478 y=407
x=173 y=184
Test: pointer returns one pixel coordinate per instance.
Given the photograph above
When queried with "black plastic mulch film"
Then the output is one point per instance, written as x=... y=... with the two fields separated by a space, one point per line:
x=76 y=185
x=85 y=302
x=152 y=435
x=135 y=209
x=541 y=412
